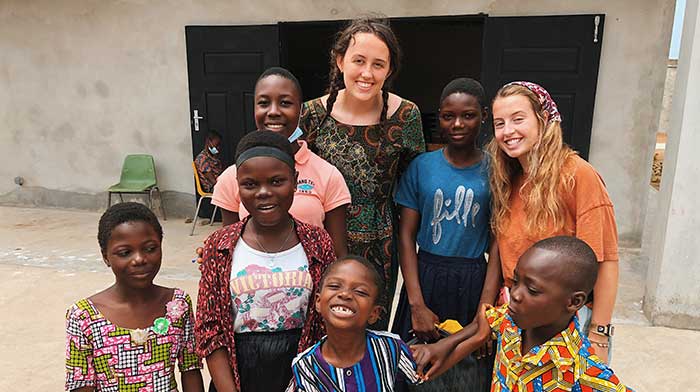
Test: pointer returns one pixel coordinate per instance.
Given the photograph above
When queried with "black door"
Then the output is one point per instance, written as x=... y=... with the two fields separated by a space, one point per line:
x=561 y=53
x=223 y=63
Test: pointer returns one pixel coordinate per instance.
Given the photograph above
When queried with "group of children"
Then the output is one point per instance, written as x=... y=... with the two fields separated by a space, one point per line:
x=130 y=336
x=281 y=304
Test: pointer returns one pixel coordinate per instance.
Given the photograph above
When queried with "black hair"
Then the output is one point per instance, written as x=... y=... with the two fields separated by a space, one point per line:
x=123 y=213
x=212 y=134
x=467 y=86
x=284 y=73
x=264 y=138
x=377 y=277
x=372 y=25
x=580 y=262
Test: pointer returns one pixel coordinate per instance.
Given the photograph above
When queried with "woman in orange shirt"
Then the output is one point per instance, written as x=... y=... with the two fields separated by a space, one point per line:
x=542 y=188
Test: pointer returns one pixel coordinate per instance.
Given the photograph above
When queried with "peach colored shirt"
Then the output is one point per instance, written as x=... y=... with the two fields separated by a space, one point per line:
x=590 y=217
x=320 y=188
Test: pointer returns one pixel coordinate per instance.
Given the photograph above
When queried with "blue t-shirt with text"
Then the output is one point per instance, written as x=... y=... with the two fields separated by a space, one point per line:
x=454 y=204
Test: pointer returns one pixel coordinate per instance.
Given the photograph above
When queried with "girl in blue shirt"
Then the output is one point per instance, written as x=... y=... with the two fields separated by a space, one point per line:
x=445 y=208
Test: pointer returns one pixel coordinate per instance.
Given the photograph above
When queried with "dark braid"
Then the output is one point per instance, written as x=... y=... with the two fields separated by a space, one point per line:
x=372 y=25
x=385 y=105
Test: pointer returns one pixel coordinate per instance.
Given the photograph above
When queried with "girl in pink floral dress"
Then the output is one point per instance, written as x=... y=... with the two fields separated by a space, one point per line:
x=129 y=336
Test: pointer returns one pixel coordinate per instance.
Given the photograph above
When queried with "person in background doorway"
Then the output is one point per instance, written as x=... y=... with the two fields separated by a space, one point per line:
x=208 y=164
x=321 y=196
x=370 y=135
x=445 y=209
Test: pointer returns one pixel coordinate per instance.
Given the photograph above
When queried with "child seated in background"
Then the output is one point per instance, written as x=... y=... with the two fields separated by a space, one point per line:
x=350 y=357
x=551 y=283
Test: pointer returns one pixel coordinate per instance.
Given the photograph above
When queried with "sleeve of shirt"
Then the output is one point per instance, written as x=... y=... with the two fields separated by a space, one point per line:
x=495 y=317
x=413 y=140
x=407 y=365
x=226 y=190
x=407 y=192
x=187 y=358
x=80 y=369
x=336 y=192
x=207 y=327
x=595 y=216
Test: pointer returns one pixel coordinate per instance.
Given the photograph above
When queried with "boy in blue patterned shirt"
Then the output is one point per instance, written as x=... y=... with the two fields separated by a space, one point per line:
x=350 y=357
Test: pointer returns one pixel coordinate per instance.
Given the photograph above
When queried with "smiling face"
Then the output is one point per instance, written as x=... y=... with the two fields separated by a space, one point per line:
x=348 y=297
x=266 y=187
x=516 y=126
x=460 y=119
x=134 y=254
x=539 y=297
x=365 y=66
x=277 y=105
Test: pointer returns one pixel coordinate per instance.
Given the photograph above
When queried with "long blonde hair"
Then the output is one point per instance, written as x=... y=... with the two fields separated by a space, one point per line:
x=542 y=189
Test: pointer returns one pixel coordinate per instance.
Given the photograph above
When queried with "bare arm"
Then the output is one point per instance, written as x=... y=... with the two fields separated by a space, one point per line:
x=447 y=352
x=220 y=370
x=336 y=226
x=494 y=276
x=605 y=292
x=422 y=319
x=229 y=217
x=192 y=381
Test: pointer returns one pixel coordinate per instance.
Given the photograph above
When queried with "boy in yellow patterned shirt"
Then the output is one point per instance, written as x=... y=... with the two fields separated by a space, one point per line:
x=551 y=283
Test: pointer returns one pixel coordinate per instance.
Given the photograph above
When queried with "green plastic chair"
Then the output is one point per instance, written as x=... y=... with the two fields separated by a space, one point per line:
x=138 y=177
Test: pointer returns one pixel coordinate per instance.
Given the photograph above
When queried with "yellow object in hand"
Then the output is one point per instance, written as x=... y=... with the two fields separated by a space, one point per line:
x=451 y=326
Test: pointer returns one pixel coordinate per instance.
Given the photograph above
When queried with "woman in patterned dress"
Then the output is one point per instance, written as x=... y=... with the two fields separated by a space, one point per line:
x=369 y=134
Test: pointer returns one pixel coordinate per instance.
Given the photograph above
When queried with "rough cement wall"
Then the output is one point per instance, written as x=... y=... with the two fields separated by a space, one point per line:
x=83 y=83
x=672 y=295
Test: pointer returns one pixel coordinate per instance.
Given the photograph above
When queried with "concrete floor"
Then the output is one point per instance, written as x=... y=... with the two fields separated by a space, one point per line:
x=50 y=258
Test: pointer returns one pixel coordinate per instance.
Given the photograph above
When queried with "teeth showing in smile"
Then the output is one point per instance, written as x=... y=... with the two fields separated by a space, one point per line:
x=274 y=126
x=513 y=142
x=265 y=208
x=364 y=84
x=341 y=310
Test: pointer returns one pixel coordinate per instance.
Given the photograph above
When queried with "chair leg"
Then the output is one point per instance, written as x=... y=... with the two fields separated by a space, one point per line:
x=109 y=199
x=196 y=215
x=213 y=215
x=121 y=198
x=159 y=201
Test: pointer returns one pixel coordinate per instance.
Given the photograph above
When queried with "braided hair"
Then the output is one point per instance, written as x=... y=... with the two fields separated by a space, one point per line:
x=380 y=28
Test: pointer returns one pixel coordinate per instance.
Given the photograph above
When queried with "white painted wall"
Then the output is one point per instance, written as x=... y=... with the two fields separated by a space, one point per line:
x=672 y=295
x=82 y=83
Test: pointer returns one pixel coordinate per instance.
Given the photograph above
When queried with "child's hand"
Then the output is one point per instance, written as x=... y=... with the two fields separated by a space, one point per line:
x=200 y=252
x=483 y=326
x=423 y=321
x=430 y=357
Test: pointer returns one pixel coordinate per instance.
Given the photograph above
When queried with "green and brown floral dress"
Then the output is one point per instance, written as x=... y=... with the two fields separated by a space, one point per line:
x=371 y=159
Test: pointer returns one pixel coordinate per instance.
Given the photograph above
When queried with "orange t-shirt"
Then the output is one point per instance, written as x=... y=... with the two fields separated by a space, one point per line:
x=590 y=217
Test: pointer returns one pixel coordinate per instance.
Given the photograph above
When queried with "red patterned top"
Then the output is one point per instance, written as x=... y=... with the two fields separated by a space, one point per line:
x=214 y=322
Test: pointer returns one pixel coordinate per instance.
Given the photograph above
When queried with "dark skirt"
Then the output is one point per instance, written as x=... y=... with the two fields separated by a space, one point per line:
x=265 y=360
x=451 y=289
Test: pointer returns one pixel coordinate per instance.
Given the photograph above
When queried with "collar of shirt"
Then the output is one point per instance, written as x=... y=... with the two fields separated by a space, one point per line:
x=561 y=350
x=302 y=156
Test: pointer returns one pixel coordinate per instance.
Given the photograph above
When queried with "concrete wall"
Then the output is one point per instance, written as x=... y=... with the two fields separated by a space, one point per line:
x=672 y=295
x=82 y=83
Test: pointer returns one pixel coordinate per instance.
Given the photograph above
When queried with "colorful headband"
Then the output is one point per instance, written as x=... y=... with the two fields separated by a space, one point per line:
x=265 y=151
x=545 y=99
